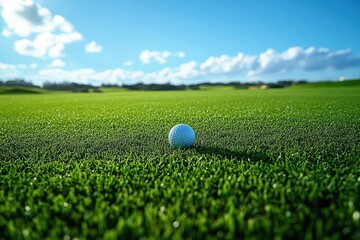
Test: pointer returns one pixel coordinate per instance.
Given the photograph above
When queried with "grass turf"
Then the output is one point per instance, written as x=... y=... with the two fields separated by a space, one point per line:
x=266 y=164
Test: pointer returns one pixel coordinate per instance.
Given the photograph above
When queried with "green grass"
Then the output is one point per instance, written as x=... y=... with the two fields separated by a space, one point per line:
x=113 y=89
x=266 y=164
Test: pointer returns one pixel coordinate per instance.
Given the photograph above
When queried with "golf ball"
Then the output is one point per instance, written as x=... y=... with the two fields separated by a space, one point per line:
x=181 y=136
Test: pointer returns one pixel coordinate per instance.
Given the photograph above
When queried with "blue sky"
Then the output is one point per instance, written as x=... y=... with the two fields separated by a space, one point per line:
x=179 y=41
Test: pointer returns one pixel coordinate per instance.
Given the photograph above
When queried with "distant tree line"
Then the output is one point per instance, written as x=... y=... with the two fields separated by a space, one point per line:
x=159 y=87
x=18 y=82
x=245 y=85
x=73 y=87
x=76 y=87
x=168 y=86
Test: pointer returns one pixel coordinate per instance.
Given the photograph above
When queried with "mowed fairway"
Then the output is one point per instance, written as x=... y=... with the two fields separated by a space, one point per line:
x=266 y=164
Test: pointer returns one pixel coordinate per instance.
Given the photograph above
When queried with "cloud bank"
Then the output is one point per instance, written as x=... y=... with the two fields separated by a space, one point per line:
x=58 y=63
x=128 y=63
x=239 y=67
x=13 y=71
x=25 y=18
x=161 y=57
x=93 y=47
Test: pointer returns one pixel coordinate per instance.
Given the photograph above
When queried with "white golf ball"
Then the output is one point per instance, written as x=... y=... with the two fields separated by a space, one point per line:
x=181 y=136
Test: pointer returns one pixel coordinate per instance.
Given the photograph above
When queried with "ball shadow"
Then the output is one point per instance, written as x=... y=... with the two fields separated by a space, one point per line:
x=231 y=154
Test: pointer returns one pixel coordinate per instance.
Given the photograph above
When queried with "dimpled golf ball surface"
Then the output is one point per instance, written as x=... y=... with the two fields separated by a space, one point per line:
x=181 y=136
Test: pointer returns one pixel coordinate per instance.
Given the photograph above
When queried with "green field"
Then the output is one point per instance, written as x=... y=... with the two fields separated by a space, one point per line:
x=266 y=164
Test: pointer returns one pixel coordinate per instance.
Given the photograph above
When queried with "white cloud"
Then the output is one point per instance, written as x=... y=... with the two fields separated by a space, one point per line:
x=58 y=63
x=33 y=65
x=226 y=64
x=180 y=54
x=46 y=44
x=269 y=65
x=342 y=78
x=188 y=70
x=56 y=50
x=272 y=62
x=128 y=63
x=11 y=71
x=12 y=67
x=6 y=33
x=93 y=47
x=8 y=70
x=27 y=47
x=22 y=66
x=161 y=57
x=88 y=75
x=79 y=76
x=185 y=72
x=146 y=56
x=311 y=59
x=63 y=24
x=222 y=68
x=15 y=70
x=25 y=17
x=5 y=67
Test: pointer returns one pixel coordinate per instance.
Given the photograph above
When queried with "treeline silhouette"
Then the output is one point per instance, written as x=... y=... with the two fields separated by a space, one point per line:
x=168 y=86
x=76 y=87
x=73 y=87
x=279 y=84
x=159 y=87
x=65 y=86
x=18 y=82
